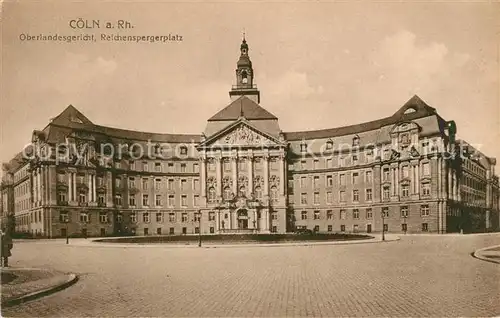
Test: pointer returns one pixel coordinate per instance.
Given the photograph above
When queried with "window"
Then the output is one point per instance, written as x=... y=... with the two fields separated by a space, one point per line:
x=133 y=217
x=303 y=182
x=369 y=213
x=61 y=196
x=146 y=231
x=145 y=166
x=425 y=227
x=131 y=165
x=404 y=211
x=342 y=179
x=330 y=228
x=118 y=182
x=354 y=159
x=196 y=168
x=329 y=181
x=171 y=200
x=368 y=195
x=386 y=174
x=119 y=217
x=158 y=200
x=342 y=196
x=316 y=182
x=316 y=164
x=211 y=194
x=145 y=217
x=355 y=214
x=303 y=165
x=406 y=171
x=84 y=217
x=211 y=165
x=329 y=214
x=157 y=184
x=329 y=145
x=273 y=163
x=386 y=192
x=424 y=210
x=211 y=216
x=355 y=228
x=405 y=190
x=303 y=198
x=158 y=231
x=183 y=167
x=342 y=228
x=329 y=197
x=196 y=200
x=227 y=165
x=145 y=200
x=63 y=217
x=355 y=195
x=303 y=147
x=157 y=166
x=329 y=163
x=368 y=176
x=316 y=228
x=184 y=150
x=212 y=230
x=242 y=164
x=196 y=184
x=197 y=217
x=159 y=217
x=118 y=199
x=184 y=217
x=355 y=178
x=171 y=231
x=316 y=215
x=303 y=215
x=343 y=214
x=131 y=200
x=171 y=217
x=131 y=183
x=426 y=188
x=274 y=215
x=183 y=185
x=144 y=183
x=170 y=184
x=426 y=169
x=385 y=212
x=184 y=200
x=355 y=141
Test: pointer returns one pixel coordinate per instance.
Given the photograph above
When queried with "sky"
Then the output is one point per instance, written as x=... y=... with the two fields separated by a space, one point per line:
x=317 y=65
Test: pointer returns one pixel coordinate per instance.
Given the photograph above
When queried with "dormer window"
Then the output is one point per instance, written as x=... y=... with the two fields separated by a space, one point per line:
x=355 y=141
x=184 y=150
x=329 y=145
x=303 y=147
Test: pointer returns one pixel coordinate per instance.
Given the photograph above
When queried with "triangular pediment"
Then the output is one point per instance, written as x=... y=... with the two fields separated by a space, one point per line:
x=243 y=106
x=241 y=134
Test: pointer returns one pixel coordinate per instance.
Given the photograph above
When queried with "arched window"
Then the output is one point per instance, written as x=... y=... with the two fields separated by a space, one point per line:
x=243 y=191
x=227 y=193
x=211 y=194
x=355 y=141
x=274 y=193
x=244 y=77
x=258 y=192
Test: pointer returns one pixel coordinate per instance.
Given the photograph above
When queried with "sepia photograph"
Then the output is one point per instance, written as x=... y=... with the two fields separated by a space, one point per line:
x=249 y=158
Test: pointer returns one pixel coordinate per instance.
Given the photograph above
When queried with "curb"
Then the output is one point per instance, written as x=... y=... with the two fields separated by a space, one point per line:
x=477 y=254
x=73 y=278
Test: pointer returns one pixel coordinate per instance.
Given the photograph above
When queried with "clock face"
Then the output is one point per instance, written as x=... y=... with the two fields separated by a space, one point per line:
x=244 y=51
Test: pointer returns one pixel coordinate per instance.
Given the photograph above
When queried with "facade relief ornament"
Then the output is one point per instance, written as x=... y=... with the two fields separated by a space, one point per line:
x=243 y=181
x=258 y=181
x=274 y=180
x=211 y=182
x=244 y=136
x=227 y=182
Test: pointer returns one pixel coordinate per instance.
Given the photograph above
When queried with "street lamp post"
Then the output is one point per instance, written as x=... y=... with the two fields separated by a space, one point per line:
x=404 y=219
x=383 y=225
x=66 y=220
x=199 y=228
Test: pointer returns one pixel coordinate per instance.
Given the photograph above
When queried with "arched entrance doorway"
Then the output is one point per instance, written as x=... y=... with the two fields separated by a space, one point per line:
x=242 y=219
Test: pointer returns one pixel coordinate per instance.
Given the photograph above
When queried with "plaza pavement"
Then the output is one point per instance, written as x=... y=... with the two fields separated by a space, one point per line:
x=416 y=276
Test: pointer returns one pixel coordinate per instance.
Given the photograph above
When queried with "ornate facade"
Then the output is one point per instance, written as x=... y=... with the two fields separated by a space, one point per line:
x=243 y=174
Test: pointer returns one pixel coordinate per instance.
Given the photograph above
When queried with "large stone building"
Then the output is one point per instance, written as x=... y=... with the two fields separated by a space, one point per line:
x=243 y=174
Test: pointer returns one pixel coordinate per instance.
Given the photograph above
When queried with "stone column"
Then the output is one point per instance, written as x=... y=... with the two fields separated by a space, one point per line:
x=250 y=174
x=203 y=180
x=94 y=189
x=267 y=220
x=417 y=179
x=454 y=186
x=218 y=172
x=265 y=162
x=282 y=174
x=234 y=168
x=39 y=185
x=74 y=187
x=396 y=183
x=70 y=186
x=217 y=221
x=90 y=188
x=393 y=185
x=449 y=190
x=255 y=219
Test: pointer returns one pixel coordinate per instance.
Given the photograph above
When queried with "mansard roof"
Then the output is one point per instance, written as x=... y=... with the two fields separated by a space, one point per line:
x=62 y=125
x=414 y=108
x=242 y=106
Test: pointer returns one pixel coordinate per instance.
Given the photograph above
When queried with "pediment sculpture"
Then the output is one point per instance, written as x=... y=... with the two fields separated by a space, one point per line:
x=244 y=136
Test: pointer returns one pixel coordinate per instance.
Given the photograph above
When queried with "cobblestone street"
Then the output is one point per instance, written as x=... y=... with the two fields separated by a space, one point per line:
x=416 y=276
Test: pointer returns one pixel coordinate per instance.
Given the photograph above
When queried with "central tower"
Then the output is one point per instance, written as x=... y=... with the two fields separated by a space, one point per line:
x=244 y=77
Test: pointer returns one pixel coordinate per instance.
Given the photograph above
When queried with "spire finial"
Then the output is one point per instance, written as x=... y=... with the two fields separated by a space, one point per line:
x=244 y=35
x=241 y=107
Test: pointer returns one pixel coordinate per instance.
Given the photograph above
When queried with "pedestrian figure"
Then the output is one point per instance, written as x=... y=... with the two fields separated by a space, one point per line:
x=6 y=242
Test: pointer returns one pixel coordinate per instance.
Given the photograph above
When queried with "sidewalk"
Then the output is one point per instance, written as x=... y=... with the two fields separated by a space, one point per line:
x=489 y=254
x=25 y=284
